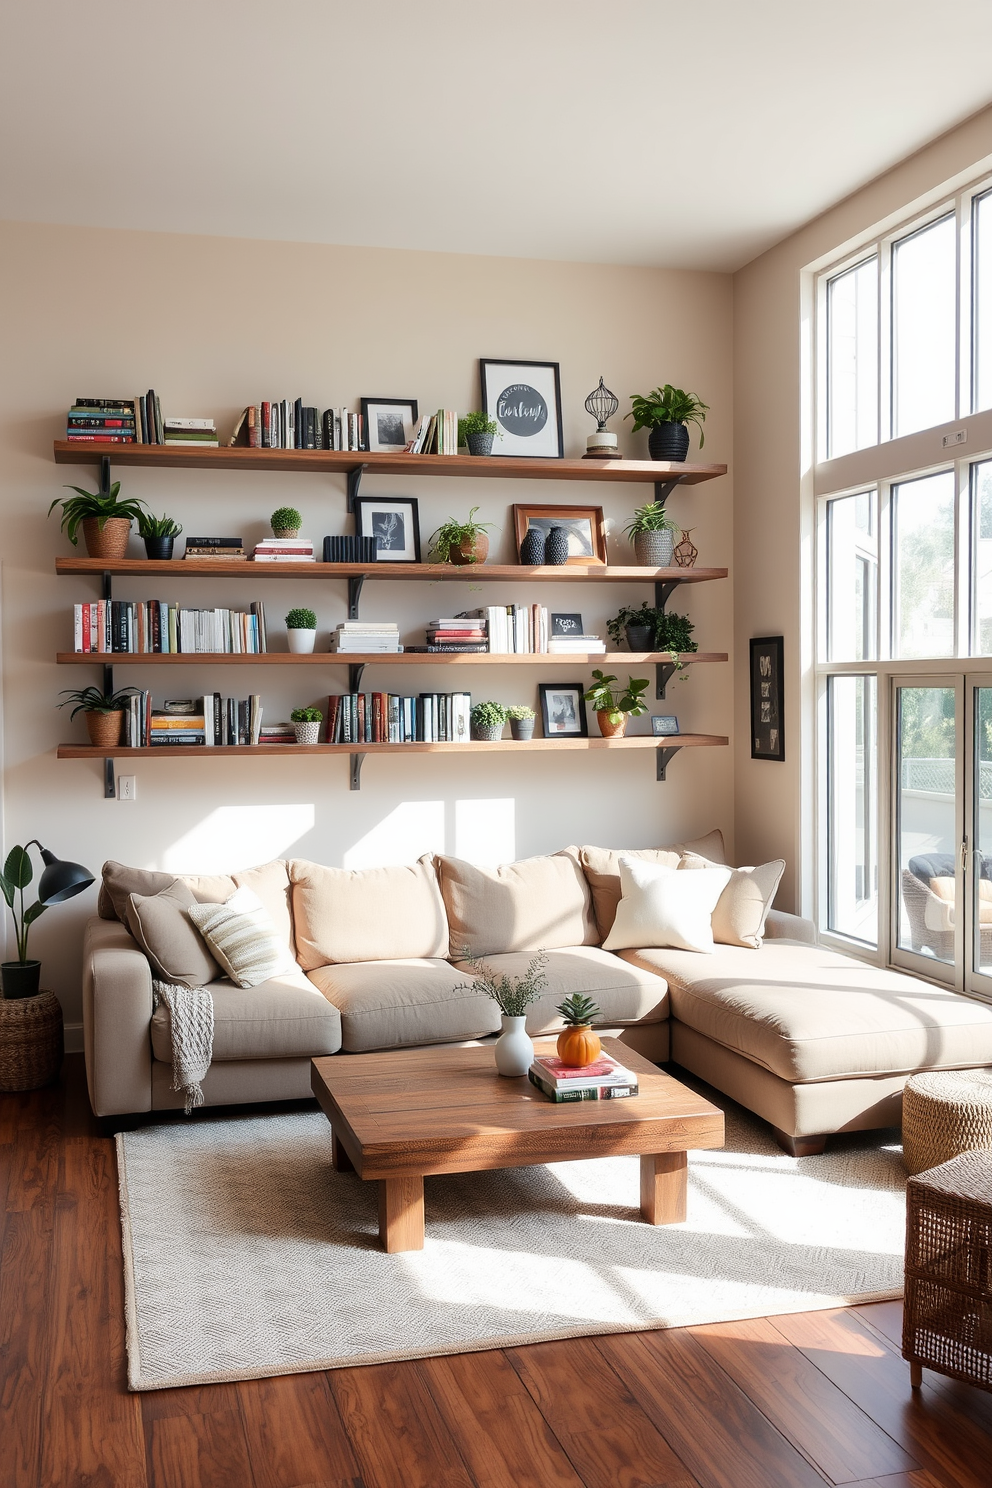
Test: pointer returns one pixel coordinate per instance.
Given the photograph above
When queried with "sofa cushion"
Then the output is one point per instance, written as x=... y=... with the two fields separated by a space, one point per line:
x=240 y=934
x=163 y=929
x=367 y=914
x=741 y=910
x=625 y=993
x=602 y=870
x=284 y=1018
x=806 y=1013
x=538 y=903
x=662 y=907
x=393 y=1004
x=270 y=881
x=120 y=882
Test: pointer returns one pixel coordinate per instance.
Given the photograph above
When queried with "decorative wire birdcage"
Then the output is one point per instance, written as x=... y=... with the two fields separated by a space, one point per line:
x=601 y=405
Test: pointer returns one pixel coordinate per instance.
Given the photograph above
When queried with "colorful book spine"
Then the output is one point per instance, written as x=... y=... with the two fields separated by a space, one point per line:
x=563 y=1095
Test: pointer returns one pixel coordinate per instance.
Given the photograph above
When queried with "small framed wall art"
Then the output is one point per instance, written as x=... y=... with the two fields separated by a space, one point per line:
x=394 y=522
x=767 y=711
x=389 y=423
x=563 y=710
x=525 y=400
x=664 y=724
x=584 y=525
x=566 y=625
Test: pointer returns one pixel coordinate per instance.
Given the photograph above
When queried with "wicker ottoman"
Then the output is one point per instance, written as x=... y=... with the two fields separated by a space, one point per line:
x=947 y=1317
x=944 y=1113
x=31 y=1041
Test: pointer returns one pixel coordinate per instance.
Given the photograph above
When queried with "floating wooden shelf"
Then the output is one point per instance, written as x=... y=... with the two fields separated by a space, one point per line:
x=375 y=658
x=490 y=573
x=224 y=751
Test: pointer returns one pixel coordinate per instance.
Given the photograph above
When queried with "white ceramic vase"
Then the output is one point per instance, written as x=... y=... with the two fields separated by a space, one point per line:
x=514 y=1050
x=301 y=641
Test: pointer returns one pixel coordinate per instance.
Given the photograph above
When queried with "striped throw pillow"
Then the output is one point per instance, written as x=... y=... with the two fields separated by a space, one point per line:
x=242 y=938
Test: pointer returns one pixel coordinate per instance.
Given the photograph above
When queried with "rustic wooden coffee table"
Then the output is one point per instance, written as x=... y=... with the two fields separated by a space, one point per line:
x=396 y=1117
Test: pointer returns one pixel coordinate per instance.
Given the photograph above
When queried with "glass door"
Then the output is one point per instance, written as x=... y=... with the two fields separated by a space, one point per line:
x=979 y=971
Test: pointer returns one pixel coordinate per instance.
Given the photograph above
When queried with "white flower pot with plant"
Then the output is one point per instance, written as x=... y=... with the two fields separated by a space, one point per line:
x=307 y=723
x=514 y=1051
x=301 y=630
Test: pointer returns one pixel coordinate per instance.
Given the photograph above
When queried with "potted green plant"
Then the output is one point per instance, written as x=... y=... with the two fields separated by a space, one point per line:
x=461 y=543
x=521 y=721
x=103 y=712
x=477 y=430
x=59 y=881
x=667 y=411
x=652 y=532
x=487 y=721
x=307 y=723
x=159 y=533
x=105 y=520
x=301 y=630
x=614 y=705
x=286 y=522
x=648 y=628
x=513 y=1050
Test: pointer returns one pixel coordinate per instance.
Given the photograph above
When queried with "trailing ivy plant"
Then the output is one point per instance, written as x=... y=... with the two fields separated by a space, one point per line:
x=452 y=534
x=670 y=631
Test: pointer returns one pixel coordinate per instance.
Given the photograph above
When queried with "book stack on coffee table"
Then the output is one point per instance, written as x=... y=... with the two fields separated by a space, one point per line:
x=604 y=1079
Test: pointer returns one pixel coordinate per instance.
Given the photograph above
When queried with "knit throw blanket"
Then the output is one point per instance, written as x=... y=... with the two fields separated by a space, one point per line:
x=191 y=1014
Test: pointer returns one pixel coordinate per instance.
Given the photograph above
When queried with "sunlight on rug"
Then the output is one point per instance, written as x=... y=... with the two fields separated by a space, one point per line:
x=246 y=1255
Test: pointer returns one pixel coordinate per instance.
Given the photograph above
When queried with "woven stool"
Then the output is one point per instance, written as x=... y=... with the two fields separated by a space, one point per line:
x=944 y=1113
x=30 y=1041
x=947 y=1316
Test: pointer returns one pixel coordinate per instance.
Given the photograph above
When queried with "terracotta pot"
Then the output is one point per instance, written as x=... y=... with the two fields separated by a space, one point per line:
x=470 y=551
x=579 y=1046
x=104 y=729
x=111 y=542
x=611 y=730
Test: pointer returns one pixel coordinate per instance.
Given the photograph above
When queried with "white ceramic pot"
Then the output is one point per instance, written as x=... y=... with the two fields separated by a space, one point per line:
x=301 y=641
x=307 y=733
x=514 y=1050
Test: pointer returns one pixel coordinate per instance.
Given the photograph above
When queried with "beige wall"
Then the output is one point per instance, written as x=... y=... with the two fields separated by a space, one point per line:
x=216 y=323
x=772 y=527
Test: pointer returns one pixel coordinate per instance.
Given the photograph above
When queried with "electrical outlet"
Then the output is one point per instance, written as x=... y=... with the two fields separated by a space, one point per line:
x=960 y=436
x=126 y=788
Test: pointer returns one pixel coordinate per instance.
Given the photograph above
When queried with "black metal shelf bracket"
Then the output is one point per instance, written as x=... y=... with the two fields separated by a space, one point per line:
x=663 y=591
x=355 y=670
x=104 y=475
x=355 y=484
x=355 y=595
x=664 y=671
x=109 y=780
x=663 y=489
x=665 y=756
x=355 y=774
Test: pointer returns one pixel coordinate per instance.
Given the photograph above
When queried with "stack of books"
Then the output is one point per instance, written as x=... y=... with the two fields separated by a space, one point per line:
x=277 y=733
x=130 y=626
x=356 y=636
x=226 y=549
x=571 y=645
x=192 y=431
x=284 y=550
x=603 y=1080
x=180 y=721
x=465 y=633
x=384 y=718
x=196 y=722
x=101 y=421
x=437 y=435
x=351 y=549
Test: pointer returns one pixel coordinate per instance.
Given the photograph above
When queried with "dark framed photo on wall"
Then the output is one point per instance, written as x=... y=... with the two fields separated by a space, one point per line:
x=767 y=710
x=389 y=423
x=563 y=710
x=394 y=522
x=525 y=400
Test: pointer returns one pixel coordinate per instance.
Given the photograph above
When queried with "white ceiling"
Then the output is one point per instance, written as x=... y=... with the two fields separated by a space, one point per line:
x=621 y=131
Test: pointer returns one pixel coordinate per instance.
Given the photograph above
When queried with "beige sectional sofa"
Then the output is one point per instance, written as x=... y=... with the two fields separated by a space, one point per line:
x=813 y=1041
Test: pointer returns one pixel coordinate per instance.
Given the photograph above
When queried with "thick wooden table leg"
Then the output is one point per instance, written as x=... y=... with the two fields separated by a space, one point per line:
x=401 y=1213
x=339 y=1157
x=663 y=1187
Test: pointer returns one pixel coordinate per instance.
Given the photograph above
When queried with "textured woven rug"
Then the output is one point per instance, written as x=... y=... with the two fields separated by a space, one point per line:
x=246 y=1255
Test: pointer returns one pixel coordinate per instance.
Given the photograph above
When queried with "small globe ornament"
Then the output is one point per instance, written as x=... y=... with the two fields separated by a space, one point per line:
x=601 y=405
x=686 y=552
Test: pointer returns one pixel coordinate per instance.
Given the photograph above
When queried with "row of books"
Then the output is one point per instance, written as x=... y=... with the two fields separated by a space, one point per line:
x=291 y=424
x=195 y=722
x=605 y=1079
x=357 y=636
x=386 y=718
x=134 y=421
x=437 y=435
x=125 y=625
x=507 y=630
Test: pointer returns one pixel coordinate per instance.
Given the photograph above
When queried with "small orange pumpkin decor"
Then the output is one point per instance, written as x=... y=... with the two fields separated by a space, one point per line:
x=577 y=1044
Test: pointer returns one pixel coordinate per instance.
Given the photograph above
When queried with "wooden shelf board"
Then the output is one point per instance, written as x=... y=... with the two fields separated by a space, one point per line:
x=507 y=467
x=374 y=658
x=189 y=568
x=198 y=752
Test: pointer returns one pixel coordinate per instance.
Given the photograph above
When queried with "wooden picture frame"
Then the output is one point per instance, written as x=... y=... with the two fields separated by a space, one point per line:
x=587 y=530
x=563 y=710
x=525 y=400
x=767 y=702
x=395 y=522
x=389 y=423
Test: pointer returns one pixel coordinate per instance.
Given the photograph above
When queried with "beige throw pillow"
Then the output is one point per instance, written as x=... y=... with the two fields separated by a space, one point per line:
x=601 y=868
x=538 y=903
x=368 y=914
x=241 y=936
x=741 y=910
x=120 y=882
x=662 y=907
x=161 y=925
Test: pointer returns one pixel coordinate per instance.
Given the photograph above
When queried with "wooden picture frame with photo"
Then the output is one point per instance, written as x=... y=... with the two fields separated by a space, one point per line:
x=394 y=521
x=585 y=524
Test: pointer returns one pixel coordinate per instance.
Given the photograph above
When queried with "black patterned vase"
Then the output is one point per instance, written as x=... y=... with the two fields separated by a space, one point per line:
x=532 y=546
x=556 y=547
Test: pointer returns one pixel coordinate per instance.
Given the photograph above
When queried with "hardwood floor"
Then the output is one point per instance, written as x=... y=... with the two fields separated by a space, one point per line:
x=787 y=1402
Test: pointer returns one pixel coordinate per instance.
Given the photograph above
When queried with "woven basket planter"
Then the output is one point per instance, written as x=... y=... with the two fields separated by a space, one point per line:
x=104 y=729
x=945 y=1113
x=31 y=1043
x=108 y=541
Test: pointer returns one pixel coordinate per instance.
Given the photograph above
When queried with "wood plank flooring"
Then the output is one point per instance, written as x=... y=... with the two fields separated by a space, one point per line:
x=802 y=1401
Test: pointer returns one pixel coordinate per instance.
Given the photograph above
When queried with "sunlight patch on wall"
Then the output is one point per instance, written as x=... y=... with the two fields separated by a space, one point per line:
x=486 y=831
x=234 y=837
x=409 y=831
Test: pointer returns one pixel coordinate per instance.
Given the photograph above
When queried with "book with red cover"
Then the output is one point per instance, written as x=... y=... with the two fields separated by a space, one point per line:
x=601 y=1070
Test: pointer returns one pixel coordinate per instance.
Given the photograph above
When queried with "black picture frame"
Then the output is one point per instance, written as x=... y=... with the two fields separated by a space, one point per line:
x=369 y=514
x=370 y=423
x=530 y=428
x=566 y=624
x=664 y=725
x=767 y=702
x=552 y=694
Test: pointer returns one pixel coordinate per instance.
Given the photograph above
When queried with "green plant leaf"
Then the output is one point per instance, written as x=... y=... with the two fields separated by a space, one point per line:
x=34 y=912
x=7 y=888
x=17 y=870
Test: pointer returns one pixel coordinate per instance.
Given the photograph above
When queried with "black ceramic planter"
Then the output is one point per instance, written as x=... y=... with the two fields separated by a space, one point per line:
x=669 y=442
x=21 y=978
x=159 y=547
x=479 y=444
x=639 y=637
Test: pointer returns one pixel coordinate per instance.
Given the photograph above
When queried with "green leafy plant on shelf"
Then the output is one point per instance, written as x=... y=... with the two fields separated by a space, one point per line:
x=94 y=700
x=453 y=536
x=286 y=519
x=489 y=715
x=670 y=631
x=512 y=995
x=519 y=711
x=149 y=526
x=616 y=701
x=306 y=715
x=668 y=405
x=301 y=619
x=101 y=505
x=477 y=423
x=651 y=518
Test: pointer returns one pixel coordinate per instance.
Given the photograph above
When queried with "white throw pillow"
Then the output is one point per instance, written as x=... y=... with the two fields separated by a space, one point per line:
x=242 y=936
x=662 y=907
x=740 y=914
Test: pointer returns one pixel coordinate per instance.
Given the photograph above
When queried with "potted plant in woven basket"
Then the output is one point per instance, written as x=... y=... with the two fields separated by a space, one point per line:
x=614 y=705
x=286 y=522
x=653 y=535
x=513 y=1050
x=667 y=411
x=307 y=723
x=301 y=630
x=461 y=543
x=103 y=713
x=487 y=721
x=105 y=520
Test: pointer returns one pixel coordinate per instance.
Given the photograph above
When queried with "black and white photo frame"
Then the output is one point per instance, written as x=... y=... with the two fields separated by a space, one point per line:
x=563 y=710
x=767 y=710
x=394 y=521
x=525 y=400
x=664 y=725
x=390 y=424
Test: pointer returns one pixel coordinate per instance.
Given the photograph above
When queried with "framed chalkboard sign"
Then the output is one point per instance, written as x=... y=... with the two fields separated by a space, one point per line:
x=767 y=707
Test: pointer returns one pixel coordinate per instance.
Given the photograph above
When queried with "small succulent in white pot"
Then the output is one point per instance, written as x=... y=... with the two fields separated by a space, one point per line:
x=301 y=630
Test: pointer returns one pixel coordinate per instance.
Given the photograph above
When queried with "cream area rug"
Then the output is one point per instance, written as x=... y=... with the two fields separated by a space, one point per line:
x=246 y=1255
